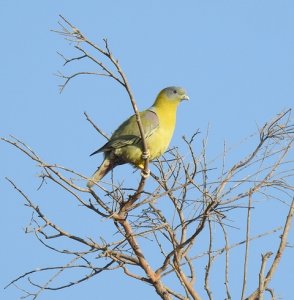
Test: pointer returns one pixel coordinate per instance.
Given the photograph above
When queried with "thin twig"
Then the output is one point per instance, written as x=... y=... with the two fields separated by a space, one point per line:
x=97 y=128
x=246 y=255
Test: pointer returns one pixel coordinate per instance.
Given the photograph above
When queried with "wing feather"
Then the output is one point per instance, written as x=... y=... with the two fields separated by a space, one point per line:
x=128 y=132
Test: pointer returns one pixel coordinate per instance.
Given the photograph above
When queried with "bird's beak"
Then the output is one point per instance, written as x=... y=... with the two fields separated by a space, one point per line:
x=185 y=97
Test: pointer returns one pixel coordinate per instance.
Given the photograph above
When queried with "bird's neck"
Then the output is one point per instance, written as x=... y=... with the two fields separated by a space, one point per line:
x=165 y=105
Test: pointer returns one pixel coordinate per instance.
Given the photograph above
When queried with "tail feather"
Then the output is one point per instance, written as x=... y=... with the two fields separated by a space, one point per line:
x=105 y=167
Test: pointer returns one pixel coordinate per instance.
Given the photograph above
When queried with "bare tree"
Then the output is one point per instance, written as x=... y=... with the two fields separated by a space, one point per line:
x=190 y=197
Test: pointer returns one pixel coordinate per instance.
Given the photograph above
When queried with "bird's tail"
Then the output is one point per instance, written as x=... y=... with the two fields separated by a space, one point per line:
x=105 y=167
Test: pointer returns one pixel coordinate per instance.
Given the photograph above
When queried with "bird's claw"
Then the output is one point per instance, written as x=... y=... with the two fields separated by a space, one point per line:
x=145 y=174
x=146 y=154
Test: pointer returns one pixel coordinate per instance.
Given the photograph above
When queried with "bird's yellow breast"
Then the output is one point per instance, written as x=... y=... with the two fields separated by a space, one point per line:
x=159 y=141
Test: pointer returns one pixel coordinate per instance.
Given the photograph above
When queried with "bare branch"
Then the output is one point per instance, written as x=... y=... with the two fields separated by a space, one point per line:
x=279 y=253
x=264 y=259
x=246 y=256
x=78 y=37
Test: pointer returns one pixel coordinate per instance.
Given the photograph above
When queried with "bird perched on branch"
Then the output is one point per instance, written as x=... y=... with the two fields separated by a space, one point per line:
x=125 y=145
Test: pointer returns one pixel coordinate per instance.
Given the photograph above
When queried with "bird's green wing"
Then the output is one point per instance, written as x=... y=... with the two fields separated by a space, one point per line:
x=128 y=132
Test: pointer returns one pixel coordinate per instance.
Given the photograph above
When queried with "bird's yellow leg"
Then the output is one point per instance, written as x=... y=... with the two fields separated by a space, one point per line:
x=144 y=173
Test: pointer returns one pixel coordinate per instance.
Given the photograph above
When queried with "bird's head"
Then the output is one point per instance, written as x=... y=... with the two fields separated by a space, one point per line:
x=174 y=94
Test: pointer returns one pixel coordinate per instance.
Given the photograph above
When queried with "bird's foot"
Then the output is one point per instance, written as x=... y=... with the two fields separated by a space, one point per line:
x=146 y=154
x=145 y=174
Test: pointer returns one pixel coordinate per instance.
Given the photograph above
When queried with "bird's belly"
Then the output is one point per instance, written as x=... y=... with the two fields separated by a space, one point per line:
x=157 y=144
x=130 y=154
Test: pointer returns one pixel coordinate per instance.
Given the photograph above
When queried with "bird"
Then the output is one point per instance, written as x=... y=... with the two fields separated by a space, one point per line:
x=125 y=145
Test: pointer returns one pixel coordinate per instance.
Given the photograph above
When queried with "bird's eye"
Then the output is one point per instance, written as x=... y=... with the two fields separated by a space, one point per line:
x=174 y=91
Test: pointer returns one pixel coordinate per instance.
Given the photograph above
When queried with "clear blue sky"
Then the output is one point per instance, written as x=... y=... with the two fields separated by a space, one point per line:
x=235 y=58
